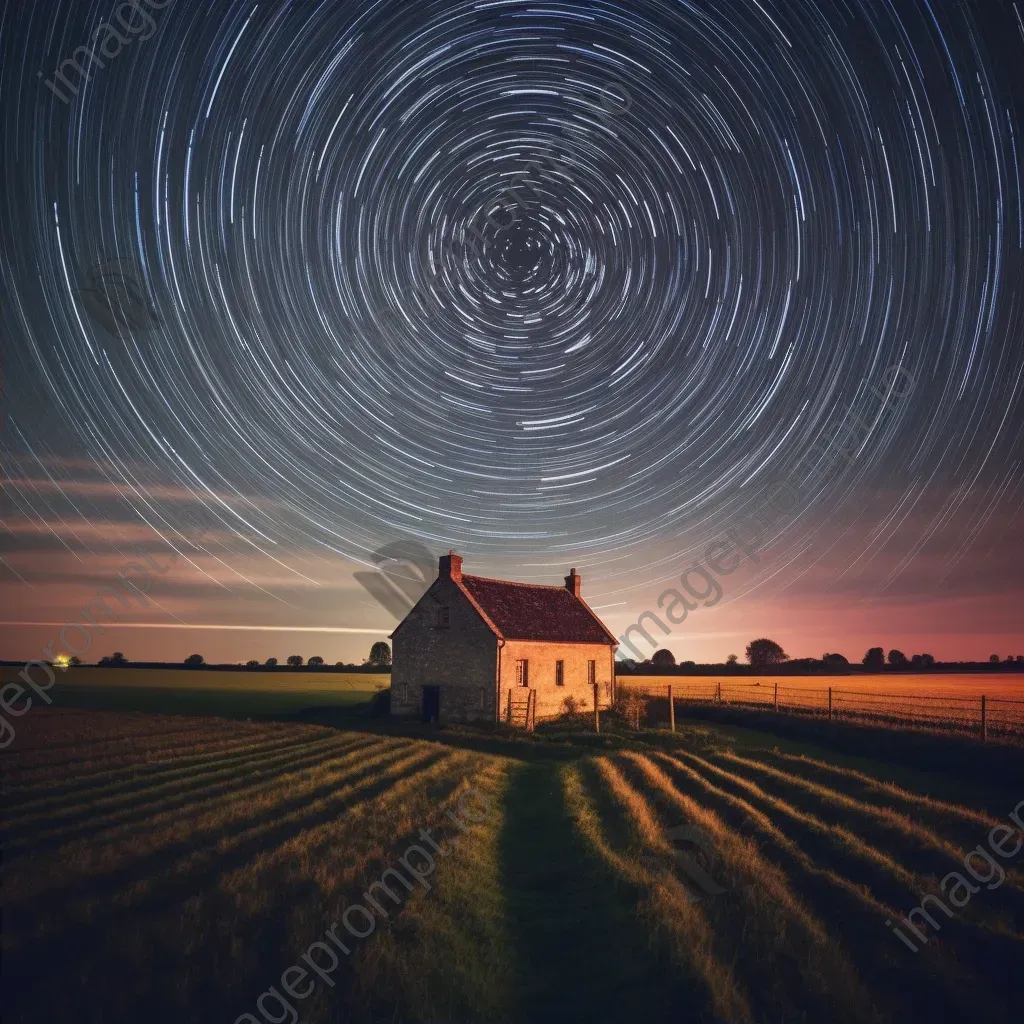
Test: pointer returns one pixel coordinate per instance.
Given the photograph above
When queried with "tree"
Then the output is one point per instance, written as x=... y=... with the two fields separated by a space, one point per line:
x=295 y=660
x=897 y=659
x=271 y=663
x=315 y=662
x=731 y=660
x=74 y=661
x=765 y=652
x=252 y=663
x=994 y=658
x=874 y=660
x=834 y=663
x=927 y=660
x=115 y=660
x=194 y=660
x=663 y=658
x=380 y=655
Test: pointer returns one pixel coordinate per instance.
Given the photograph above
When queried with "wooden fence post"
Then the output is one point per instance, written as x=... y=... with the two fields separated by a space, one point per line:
x=830 y=703
x=597 y=713
x=984 y=720
x=671 y=710
x=776 y=695
x=509 y=716
x=718 y=693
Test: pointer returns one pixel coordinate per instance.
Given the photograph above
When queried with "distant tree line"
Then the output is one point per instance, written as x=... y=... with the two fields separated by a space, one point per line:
x=761 y=654
x=379 y=660
x=764 y=654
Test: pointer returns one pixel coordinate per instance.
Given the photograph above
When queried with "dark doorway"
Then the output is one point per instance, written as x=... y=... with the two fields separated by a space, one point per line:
x=431 y=703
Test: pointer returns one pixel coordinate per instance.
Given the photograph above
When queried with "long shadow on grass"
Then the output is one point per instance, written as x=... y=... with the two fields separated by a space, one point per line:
x=581 y=954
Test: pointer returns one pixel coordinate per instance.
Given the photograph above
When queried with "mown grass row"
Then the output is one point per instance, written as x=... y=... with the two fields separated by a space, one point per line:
x=177 y=877
x=811 y=875
x=175 y=893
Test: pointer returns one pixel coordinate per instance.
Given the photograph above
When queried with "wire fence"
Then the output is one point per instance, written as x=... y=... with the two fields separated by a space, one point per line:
x=987 y=717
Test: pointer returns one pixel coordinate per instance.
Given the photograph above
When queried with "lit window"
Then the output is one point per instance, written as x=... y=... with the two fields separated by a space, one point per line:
x=559 y=673
x=591 y=672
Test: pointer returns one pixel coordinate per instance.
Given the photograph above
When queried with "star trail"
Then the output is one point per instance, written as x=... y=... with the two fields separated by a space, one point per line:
x=550 y=283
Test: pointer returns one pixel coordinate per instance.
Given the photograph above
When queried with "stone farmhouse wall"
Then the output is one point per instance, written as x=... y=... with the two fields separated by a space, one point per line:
x=542 y=657
x=461 y=658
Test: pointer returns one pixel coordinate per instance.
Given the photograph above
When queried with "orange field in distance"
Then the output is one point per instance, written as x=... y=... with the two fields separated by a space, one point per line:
x=924 y=684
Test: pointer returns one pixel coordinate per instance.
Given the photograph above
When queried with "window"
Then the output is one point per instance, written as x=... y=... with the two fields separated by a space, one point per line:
x=483 y=697
x=559 y=673
x=443 y=618
x=591 y=672
x=522 y=672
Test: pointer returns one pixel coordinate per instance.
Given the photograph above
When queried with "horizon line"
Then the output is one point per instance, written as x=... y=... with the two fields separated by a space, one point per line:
x=186 y=625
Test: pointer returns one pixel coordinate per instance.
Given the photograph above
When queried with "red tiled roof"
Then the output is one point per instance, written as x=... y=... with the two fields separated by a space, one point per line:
x=529 y=611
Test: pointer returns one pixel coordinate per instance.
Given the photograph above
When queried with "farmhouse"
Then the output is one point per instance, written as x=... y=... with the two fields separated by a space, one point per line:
x=474 y=648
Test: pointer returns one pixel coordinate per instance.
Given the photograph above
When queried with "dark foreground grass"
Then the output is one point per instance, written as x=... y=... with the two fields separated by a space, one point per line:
x=580 y=952
x=166 y=868
x=961 y=757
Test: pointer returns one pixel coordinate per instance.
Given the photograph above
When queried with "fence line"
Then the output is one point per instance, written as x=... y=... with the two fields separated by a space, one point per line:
x=984 y=716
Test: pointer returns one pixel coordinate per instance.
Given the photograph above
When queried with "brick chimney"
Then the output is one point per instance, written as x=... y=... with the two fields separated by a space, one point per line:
x=449 y=567
x=572 y=583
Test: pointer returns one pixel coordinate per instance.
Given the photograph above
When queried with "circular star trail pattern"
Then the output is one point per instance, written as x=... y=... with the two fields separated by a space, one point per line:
x=539 y=278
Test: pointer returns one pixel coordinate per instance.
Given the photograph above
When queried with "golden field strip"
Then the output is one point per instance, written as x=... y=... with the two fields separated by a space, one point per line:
x=992 y=705
x=1008 y=685
x=165 y=868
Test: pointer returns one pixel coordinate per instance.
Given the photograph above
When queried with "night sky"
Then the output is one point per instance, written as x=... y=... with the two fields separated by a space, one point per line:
x=552 y=284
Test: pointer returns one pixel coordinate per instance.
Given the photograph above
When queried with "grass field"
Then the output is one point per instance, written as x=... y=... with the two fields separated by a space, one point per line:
x=163 y=868
x=199 y=692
